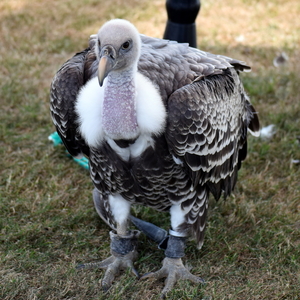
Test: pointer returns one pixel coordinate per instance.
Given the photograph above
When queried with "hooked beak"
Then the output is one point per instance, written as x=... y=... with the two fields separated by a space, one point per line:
x=106 y=63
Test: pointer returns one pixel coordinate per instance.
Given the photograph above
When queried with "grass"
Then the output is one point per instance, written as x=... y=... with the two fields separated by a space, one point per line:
x=47 y=220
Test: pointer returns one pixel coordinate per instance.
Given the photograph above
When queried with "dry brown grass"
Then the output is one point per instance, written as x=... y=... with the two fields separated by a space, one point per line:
x=47 y=219
x=251 y=23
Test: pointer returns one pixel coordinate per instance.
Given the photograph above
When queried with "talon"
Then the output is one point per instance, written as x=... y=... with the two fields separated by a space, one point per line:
x=105 y=287
x=135 y=272
x=147 y=275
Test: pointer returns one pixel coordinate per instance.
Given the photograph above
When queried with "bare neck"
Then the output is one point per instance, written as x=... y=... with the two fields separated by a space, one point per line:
x=119 y=118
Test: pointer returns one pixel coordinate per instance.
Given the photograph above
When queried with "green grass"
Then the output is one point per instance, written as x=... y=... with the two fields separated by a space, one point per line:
x=47 y=220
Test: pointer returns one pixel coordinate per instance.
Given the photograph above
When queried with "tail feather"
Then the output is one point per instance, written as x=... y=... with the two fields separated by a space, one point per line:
x=253 y=126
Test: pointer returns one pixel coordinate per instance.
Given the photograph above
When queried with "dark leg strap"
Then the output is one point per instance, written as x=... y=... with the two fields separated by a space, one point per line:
x=176 y=246
x=122 y=245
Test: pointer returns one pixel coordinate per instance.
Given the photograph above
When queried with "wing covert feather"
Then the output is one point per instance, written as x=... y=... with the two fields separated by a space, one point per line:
x=207 y=129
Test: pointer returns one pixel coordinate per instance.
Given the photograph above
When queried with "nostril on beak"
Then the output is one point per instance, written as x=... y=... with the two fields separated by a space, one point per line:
x=109 y=53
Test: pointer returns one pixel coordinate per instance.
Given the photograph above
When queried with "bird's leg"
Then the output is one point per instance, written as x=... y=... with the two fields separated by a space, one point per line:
x=123 y=246
x=173 y=268
x=123 y=249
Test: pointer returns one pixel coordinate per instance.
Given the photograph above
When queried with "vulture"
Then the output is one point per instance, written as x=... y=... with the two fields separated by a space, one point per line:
x=164 y=125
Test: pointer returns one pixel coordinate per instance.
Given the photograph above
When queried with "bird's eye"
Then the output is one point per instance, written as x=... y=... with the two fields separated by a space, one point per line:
x=99 y=44
x=126 y=45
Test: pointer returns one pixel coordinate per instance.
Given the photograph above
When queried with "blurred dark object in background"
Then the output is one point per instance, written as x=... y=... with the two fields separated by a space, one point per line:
x=181 y=25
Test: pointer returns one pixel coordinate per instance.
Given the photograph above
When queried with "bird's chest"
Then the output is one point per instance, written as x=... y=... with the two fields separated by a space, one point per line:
x=140 y=168
x=144 y=172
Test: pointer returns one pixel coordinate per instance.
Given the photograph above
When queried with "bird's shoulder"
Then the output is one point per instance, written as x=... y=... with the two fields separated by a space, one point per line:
x=171 y=65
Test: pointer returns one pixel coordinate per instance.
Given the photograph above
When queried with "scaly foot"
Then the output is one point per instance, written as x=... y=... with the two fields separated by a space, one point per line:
x=174 y=270
x=124 y=253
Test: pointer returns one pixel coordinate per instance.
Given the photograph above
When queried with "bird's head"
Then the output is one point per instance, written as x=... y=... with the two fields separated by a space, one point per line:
x=118 y=47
